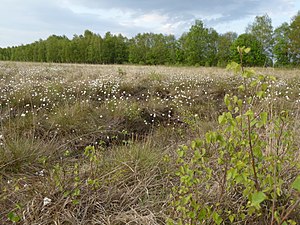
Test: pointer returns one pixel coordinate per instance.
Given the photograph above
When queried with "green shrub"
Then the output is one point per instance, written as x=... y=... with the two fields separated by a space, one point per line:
x=244 y=172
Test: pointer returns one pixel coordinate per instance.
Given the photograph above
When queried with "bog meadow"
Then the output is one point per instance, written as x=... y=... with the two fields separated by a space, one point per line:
x=182 y=143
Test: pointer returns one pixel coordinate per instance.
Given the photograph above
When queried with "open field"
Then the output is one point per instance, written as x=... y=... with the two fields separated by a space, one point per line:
x=133 y=118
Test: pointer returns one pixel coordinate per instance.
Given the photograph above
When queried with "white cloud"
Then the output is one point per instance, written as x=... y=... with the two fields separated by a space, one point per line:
x=27 y=21
x=152 y=20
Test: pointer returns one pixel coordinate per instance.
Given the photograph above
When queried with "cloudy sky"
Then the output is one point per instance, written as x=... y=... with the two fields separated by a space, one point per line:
x=25 y=21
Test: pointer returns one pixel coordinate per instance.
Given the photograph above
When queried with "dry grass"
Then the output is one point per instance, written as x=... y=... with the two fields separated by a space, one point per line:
x=133 y=115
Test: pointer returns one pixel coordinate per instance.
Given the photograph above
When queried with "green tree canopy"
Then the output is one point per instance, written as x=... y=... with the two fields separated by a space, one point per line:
x=224 y=43
x=262 y=29
x=281 y=51
x=256 y=57
x=199 y=45
x=294 y=36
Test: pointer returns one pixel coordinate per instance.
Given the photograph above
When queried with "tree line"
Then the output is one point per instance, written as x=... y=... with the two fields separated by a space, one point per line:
x=200 y=46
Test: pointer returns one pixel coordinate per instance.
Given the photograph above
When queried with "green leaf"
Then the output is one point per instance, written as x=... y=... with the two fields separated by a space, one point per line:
x=272 y=78
x=260 y=94
x=264 y=117
x=208 y=137
x=75 y=202
x=198 y=143
x=277 y=216
x=219 y=137
x=249 y=113
x=197 y=155
x=261 y=77
x=235 y=98
x=247 y=50
x=239 y=179
x=241 y=88
x=66 y=193
x=180 y=153
x=191 y=214
x=234 y=66
x=243 y=216
x=254 y=83
x=91 y=181
x=193 y=145
x=264 y=86
x=257 y=152
x=222 y=119
x=248 y=74
x=253 y=122
x=249 y=100
x=292 y=222
x=240 y=103
x=186 y=199
x=231 y=218
x=13 y=217
x=231 y=173
x=278 y=191
x=226 y=100
x=257 y=198
x=296 y=184
x=216 y=217
x=202 y=214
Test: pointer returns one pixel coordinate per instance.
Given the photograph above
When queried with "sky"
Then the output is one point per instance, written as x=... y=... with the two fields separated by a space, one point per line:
x=26 y=21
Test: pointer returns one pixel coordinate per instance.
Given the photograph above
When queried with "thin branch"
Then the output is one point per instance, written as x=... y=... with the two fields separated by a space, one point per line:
x=290 y=210
x=252 y=155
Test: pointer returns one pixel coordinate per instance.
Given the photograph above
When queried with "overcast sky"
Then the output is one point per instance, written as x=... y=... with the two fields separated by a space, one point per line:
x=26 y=21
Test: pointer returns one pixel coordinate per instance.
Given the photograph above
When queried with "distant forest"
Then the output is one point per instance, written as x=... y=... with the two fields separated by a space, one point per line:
x=200 y=46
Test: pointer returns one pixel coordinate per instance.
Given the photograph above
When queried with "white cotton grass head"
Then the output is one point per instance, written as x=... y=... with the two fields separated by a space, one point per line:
x=46 y=201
